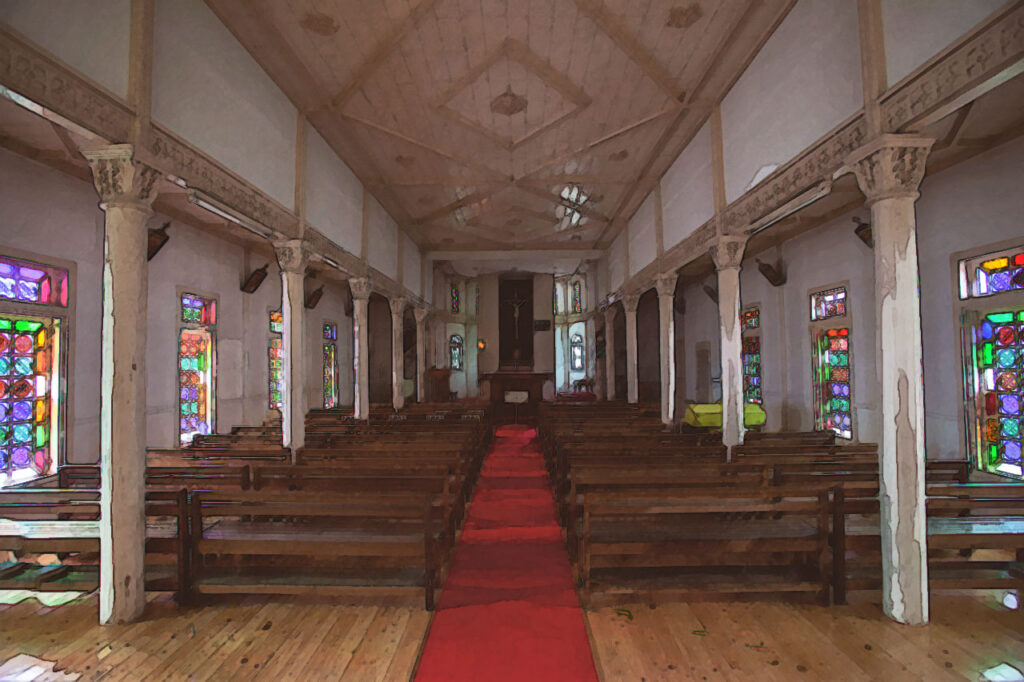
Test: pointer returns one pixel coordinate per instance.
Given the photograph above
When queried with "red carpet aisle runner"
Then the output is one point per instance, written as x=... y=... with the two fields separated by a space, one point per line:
x=509 y=610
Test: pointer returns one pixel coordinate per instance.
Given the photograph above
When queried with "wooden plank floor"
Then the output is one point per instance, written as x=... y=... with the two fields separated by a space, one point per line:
x=253 y=638
x=285 y=638
x=776 y=641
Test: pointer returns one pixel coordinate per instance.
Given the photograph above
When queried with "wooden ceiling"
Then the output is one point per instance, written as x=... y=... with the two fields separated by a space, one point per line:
x=467 y=119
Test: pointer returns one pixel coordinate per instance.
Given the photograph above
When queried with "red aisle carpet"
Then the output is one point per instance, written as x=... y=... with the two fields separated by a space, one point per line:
x=509 y=610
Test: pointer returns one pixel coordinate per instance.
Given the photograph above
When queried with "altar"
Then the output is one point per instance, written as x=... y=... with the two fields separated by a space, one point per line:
x=516 y=393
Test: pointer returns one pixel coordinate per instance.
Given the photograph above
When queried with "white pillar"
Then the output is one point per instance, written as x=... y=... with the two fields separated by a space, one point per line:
x=360 y=347
x=609 y=350
x=563 y=330
x=397 y=352
x=727 y=253
x=666 y=285
x=889 y=171
x=591 y=354
x=292 y=258
x=421 y=353
x=630 y=303
x=126 y=189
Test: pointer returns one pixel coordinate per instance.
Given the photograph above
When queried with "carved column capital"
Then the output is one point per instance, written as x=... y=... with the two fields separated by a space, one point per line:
x=630 y=302
x=727 y=251
x=292 y=255
x=666 y=284
x=420 y=314
x=397 y=305
x=361 y=288
x=890 y=166
x=120 y=179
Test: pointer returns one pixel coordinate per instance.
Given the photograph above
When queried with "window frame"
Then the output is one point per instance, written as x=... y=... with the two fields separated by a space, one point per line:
x=965 y=313
x=746 y=333
x=66 y=357
x=816 y=327
x=462 y=353
x=179 y=325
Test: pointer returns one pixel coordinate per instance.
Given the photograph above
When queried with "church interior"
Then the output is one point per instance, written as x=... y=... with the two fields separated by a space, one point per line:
x=511 y=339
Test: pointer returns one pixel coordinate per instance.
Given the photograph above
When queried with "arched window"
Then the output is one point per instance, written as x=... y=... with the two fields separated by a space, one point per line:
x=576 y=353
x=456 y=350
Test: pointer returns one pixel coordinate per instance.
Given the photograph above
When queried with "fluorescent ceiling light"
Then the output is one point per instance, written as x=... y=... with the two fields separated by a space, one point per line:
x=213 y=206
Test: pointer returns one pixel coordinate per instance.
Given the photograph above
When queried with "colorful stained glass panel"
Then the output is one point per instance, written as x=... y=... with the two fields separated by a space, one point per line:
x=577 y=297
x=27 y=282
x=830 y=375
x=275 y=374
x=998 y=343
x=28 y=403
x=276 y=322
x=752 y=369
x=829 y=303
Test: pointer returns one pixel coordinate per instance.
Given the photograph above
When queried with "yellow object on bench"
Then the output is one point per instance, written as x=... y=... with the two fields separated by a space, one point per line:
x=709 y=415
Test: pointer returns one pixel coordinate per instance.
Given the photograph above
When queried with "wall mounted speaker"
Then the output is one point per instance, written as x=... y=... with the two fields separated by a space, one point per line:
x=314 y=297
x=255 y=279
x=157 y=238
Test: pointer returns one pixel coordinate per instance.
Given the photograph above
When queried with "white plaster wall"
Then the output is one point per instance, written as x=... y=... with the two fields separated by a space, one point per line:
x=543 y=342
x=330 y=309
x=208 y=90
x=686 y=192
x=47 y=214
x=700 y=324
x=91 y=36
x=410 y=264
x=382 y=232
x=52 y=216
x=775 y=356
x=643 y=240
x=965 y=207
x=334 y=196
x=617 y=261
x=917 y=30
x=487 y=323
x=427 y=274
x=803 y=82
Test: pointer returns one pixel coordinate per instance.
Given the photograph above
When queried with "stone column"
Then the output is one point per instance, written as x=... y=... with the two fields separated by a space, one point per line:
x=666 y=285
x=727 y=253
x=630 y=303
x=889 y=171
x=360 y=347
x=609 y=351
x=421 y=353
x=397 y=352
x=126 y=189
x=292 y=258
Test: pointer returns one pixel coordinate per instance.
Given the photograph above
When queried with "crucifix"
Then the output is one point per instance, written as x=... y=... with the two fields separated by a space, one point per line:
x=516 y=304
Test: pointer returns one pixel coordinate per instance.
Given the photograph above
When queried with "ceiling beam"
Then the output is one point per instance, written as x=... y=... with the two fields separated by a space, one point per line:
x=582 y=254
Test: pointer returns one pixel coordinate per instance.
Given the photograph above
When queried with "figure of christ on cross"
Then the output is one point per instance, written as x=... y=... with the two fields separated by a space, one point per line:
x=516 y=302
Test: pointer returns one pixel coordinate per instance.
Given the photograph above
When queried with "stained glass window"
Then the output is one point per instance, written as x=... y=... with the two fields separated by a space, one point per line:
x=29 y=427
x=330 y=365
x=829 y=303
x=992 y=273
x=752 y=369
x=27 y=282
x=830 y=376
x=456 y=303
x=276 y=322
x=275 y=374
x=577 y=297
x=196 y=356
x=456 y=351
x=751 y=318
x=998 y=348
x=576 y=353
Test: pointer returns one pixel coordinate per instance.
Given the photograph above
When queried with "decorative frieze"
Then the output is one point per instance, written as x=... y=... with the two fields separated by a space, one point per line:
x=172 y=155
x=817 y=163
x=29 y=72
x=994 y=48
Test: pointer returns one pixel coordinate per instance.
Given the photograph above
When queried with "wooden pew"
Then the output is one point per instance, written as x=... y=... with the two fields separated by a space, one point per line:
x=57 y=521
x=960 y=518
x=328 y=544
x=704 y=542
